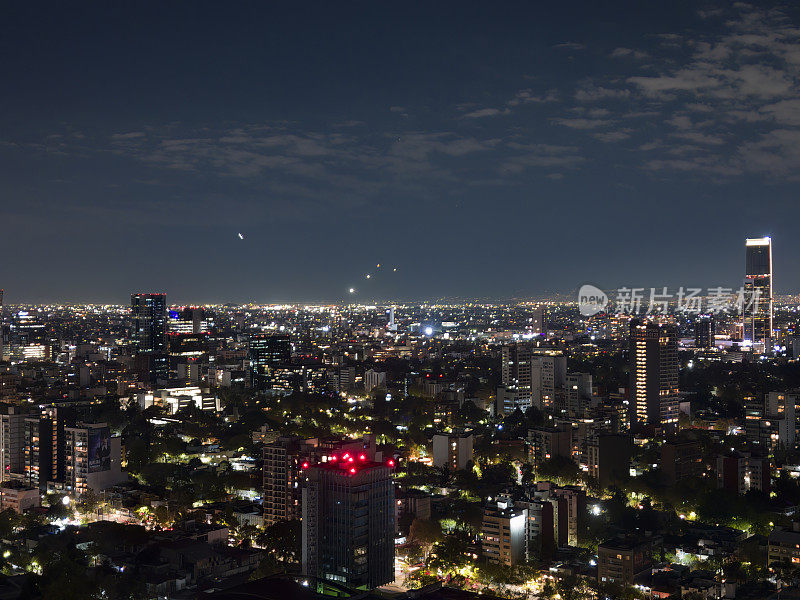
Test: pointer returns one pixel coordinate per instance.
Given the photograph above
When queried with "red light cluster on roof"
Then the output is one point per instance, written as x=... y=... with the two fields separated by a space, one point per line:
x=349 y=465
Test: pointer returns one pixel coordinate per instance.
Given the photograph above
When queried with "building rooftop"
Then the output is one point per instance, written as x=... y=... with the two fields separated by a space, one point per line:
x=626 y=543
x=785 y=536
x=348 y=463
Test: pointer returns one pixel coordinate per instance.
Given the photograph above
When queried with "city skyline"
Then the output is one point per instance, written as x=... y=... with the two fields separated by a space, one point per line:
x=279 y=153
x=400 y=301
x=626 y=298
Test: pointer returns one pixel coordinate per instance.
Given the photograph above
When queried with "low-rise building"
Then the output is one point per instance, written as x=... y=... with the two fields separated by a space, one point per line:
x=16 y=496
x=783 y=546
x=623 y=560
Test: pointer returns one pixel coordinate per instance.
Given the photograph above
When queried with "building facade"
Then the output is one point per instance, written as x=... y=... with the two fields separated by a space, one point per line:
x=149 y=313
x=348 y=522
x=654 y=375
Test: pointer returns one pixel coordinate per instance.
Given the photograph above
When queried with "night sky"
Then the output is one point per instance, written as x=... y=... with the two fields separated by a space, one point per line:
x=489 y=150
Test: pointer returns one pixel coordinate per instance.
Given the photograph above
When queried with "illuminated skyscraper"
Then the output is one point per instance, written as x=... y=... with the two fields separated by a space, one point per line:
x=757 y=314
x=654 y=375
x=149 y=313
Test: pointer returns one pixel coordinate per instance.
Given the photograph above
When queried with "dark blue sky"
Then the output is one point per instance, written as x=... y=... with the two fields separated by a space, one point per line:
x=483 y=150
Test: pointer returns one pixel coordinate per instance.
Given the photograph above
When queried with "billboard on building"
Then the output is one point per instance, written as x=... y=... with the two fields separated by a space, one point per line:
x=99 y=449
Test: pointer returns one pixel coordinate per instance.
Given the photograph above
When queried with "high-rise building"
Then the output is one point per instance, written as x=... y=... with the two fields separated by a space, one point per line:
x=538 y=321
x=740 y=472
x=541 y=541
x=92 y=458
x=12 y=435
x=188 y=319
x=504 y=532
x=28 y=337
x=188 y=341
x=38 y=451
x=552 y=377
x=373 y=379
x=753 y=419
x=568 y=510
x=282 y=461
x=757 y=309
x=609 y=458
x=348 y=521
x=507 y=401
x=704 y=332
x=680 y=460
x=342 y=378
x=773 y=421
x=268 y=353
x=48 y=448
x=578 y=393
x=1 y=324
x=654 y=375
x=549 y=442
x=149 y=312
x=517 y=372
x=534 y=378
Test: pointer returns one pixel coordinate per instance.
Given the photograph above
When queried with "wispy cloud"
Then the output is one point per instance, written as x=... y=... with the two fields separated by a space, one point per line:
x=723 y=98
x=521 y=98
x=570 y=46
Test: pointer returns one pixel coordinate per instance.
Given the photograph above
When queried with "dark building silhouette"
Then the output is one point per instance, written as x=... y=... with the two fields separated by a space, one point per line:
x=348 y=521
x=704 y=332
x=267 y=353
x=149 y=312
